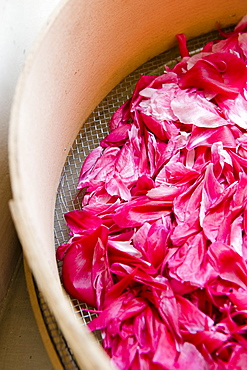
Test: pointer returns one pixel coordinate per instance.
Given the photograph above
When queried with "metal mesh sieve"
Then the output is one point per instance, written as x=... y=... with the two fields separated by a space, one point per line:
x=88 y=138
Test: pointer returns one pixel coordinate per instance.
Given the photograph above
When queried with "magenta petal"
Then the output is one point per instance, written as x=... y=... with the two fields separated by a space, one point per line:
x=182 y=45
x=77 y=271
x=120 y=116
x=206 y=137
x=102 y=321
x=142 y=83
x=212 y=221
x=189 y=263
x=191 y=318
x=101 y=275
x=143 y=185
x=188 y=201
x=61 y=251
x=118 y=288
x=116 y=255
x=213 y=340
x=81 y=222
x=239 y=299
x=157 y=244
x=228 y=264
x=141 y=276
x=238 y=359
x=155 y=126
x=185 y=229
x=136 y=212
x=116 y=187
x=77 y=275
x=178 y=173
x=223 y=73
x=116 y=137
x=166 y=345
x=242 y=25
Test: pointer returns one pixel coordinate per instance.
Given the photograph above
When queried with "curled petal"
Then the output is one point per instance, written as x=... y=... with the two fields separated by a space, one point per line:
x=222 y=73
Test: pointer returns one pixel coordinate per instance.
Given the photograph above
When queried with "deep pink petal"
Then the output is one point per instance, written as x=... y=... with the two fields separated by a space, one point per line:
x=137 y=211
x=77 y=274
x=182 y=45
x=116 y=137
x=191 y=318
x=228 y=264
x=155 y=126
x=222 y=73
x=206 y=137
x=81 y=222
x=120 y=116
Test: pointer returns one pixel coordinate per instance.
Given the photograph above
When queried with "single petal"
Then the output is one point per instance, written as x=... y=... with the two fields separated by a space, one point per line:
x=228 y=263
x=82 y=221
x=77 y=274
x=208 y=136
x=222 y=73
x=137 y=211
x=191 y=318
x=192 y=109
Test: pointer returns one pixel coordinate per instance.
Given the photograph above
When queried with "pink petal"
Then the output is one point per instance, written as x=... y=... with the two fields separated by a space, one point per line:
x=155 y=126
x=206 y=137
x=236 y=232
x=101 y=276
x=242 y=24
x=82 y=222
x=156 y=246
x=120 y=116
x=192 y=109
x=165 y=344
x=238 y=359
x=164 y=192
x=190 y=358
x=212 y=189
x=77 y=274
x=137 y=211
x=182 y=45
x=223 y=73
x=228 y=264
x=235 y=110
x=116 y=187
x=90 y=161
x=185 y=229
x=159 y=104
x=116 y=137
x=191 y=318
x=189 y=263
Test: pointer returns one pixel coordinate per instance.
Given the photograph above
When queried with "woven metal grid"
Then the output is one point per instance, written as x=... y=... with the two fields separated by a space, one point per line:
x=88 y=138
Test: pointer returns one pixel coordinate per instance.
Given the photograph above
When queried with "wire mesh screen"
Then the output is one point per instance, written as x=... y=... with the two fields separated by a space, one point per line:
x=95 y=129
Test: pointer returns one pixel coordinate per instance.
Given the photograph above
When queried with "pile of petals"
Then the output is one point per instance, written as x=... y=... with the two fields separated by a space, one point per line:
x=159 y=247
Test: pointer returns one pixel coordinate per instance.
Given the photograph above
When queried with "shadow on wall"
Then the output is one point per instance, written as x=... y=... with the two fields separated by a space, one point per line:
x=20 y=23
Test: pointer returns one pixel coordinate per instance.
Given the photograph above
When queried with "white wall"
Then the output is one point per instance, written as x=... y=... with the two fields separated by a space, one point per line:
x=20 y=22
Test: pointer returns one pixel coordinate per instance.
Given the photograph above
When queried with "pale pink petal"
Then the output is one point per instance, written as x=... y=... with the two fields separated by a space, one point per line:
x=192 y=109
